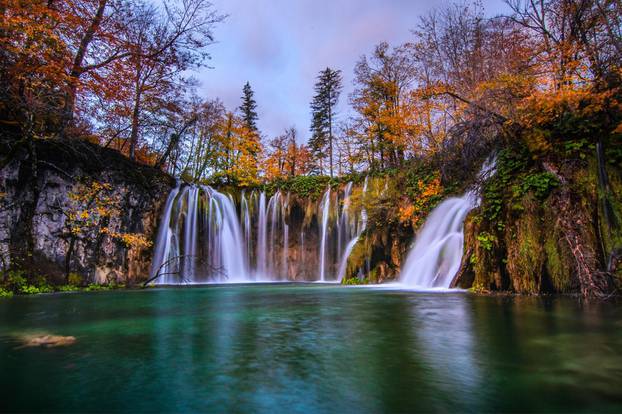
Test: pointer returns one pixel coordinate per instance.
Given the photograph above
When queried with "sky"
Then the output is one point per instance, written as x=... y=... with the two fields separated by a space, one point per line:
x=279 y=46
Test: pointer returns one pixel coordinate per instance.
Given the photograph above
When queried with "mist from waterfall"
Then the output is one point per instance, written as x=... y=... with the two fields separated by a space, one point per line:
x=206 y=236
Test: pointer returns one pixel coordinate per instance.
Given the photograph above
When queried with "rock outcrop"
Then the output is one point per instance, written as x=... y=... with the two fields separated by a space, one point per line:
x=36 y=207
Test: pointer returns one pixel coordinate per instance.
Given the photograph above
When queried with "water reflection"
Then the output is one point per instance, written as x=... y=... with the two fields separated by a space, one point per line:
x=445 y=342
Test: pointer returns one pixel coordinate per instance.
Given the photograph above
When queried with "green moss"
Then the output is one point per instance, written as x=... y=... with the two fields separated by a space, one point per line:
x=486 y=240
x=95 y=287
x=358 y=256
x=355 y=281
x=303 y=185
x=485 y=265
x=557 y=265
x=525 y=254
x=478 y=288
x=611 y=231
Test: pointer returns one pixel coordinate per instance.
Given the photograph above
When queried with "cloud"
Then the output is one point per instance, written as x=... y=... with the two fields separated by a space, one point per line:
x=279 y=46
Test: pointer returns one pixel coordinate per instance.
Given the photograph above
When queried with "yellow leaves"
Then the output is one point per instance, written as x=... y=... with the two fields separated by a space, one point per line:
x=130 y=240
x=92 y=206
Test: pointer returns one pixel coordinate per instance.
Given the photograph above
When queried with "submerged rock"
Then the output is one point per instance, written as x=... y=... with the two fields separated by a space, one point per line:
x=47 y=341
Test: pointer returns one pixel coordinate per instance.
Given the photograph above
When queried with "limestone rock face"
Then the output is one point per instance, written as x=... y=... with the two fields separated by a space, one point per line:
x=34 y=206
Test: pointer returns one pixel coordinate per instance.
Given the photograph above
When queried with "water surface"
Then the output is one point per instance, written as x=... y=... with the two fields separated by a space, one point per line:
x=310 y=348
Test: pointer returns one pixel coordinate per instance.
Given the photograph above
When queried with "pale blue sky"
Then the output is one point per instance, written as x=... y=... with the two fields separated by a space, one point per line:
x=279 y=46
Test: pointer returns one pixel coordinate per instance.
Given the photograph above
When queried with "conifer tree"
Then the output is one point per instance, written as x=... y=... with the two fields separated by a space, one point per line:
x=327 y=90
x=249 y=108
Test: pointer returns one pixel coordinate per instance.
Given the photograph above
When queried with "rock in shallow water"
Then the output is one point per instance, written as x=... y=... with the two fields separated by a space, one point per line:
x=48 y=341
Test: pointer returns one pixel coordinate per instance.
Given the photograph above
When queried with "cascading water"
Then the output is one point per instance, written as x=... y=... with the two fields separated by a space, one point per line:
x=325 y=215
x=218 y=255
x=436 y=256
x=207 y=236
x=355 y=229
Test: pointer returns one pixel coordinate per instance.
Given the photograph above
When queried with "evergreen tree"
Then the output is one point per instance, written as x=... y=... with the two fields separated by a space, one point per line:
x=249 y=108
x=327 y=90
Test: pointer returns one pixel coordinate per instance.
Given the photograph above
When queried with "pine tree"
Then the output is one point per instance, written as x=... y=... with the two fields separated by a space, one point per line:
x=327 y=90
x=249 y=108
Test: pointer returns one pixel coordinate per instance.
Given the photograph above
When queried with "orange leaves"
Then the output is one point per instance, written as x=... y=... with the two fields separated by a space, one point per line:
x=568 y=115
x=406 y=213
x=431 y=189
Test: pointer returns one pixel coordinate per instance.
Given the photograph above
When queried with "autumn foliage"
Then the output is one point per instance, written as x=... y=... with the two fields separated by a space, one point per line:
x=117 y=73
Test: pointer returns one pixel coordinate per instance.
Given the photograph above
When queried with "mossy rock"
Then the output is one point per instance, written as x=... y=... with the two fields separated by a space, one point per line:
x=558 y=262
x=525 y=253
x=486 y=259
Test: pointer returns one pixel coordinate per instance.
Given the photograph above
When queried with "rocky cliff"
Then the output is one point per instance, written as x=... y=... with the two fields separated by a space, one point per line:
x=552 y=227
x=74 y=207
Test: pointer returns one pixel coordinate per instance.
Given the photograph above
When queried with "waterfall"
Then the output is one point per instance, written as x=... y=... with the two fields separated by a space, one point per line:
x=262 y=236
x=325 y=204
x=285 y=258
x=436 y=255
x=190 y=215
x=206 y=236
x=355 y=228
x=164 y=238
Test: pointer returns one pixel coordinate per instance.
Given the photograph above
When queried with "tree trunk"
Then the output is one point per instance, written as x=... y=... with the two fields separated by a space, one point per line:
x=76 y=68
x=330 y=137
x=135 y=114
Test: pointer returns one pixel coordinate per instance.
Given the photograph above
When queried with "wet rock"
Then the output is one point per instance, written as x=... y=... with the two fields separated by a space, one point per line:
x=48 y=341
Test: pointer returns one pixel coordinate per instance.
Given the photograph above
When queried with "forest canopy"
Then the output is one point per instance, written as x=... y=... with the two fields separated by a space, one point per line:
x=118 y=73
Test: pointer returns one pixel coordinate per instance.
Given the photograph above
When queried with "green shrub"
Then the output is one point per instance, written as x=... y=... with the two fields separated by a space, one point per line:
x=5 y=293
x=540 y=183
x=67 y=288
x=93 y=287
x=15 y=280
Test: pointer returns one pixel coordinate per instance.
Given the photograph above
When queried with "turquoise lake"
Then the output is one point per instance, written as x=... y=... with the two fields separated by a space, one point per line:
x=293 y=348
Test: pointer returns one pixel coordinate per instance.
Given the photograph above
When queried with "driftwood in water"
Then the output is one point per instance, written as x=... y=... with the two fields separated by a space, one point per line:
x=212 y=269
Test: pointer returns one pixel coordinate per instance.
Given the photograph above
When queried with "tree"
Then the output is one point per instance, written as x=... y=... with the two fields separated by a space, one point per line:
x=275 y=162
x=163 y=47
x=249 y=108
x=577 y=40
x=327 y=90
x=32 y=66
x=380 y=98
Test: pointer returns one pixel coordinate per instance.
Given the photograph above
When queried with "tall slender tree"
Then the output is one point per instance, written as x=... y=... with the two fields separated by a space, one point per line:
x=327 y=90
x=249 y=108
